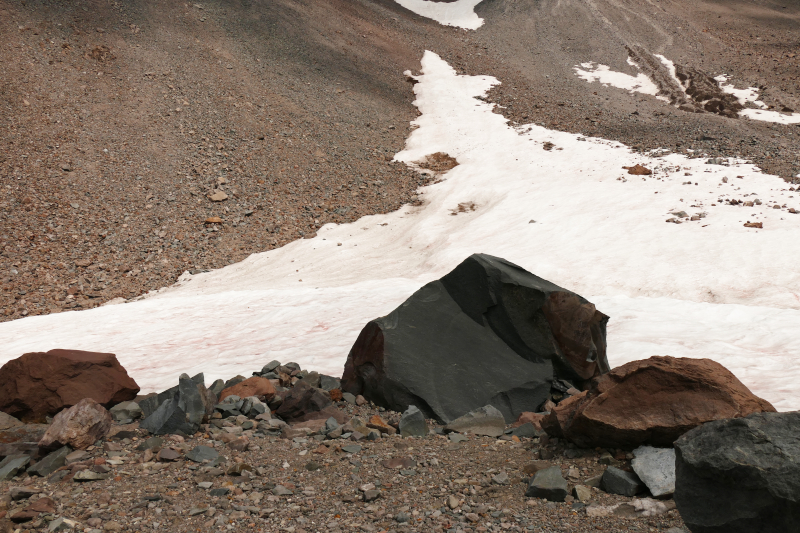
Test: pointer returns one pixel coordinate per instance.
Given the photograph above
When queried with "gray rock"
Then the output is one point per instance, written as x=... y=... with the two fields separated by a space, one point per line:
x=487 y=333
x=12 y=465
x=217 y=387
x=150 y=444
x=486 y=420
x=412 y=423
x=280 y=490
x=582 y=493
x=349 y=398
x=168 y=418
x=222 y=491
x=312 y=378
x=526 y=430
x=352 y=448
x=7 y=421
x=330 y=425
x=90 y=475
x=656 y=468
x=269 y=367
x=740 y=475
x=616 y=481
x=50 y=463
x=456 y=437
x=371 y=495
x=126 y=411
x=61 y=524
x=233 y=381
x=501 y=479
x=200 y=454
x=191 y=402
x=329 y=383
x=548 y=483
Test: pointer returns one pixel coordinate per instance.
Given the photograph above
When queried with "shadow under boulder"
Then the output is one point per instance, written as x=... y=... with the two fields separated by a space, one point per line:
x=487 y=333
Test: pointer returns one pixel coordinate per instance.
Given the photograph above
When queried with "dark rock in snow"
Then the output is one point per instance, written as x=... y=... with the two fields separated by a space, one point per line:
x=616 y=481
x=412 y=423
x=740 y=475
x=41 y=384
x=488 y=332
x=548 y=483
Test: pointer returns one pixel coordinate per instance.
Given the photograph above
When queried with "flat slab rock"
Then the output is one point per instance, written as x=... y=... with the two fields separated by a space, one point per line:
x=740 y=475
x=656 y=468
x=487 y=333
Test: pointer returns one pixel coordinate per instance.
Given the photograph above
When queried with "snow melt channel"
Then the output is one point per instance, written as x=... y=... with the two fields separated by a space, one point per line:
x=555 y=203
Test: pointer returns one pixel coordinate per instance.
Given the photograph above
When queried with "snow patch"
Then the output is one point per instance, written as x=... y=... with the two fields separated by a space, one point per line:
x=641 y=83
x=555 y=203
x=460 y=13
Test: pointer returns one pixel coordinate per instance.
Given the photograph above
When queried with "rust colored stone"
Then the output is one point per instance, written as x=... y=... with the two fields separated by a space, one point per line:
x=40 y=384
x=652 y=401
x=255 y=386
x=336 y=395
x=527 y=416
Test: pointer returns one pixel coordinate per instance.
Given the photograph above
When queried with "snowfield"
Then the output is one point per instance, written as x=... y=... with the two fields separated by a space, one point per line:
x=557 y=204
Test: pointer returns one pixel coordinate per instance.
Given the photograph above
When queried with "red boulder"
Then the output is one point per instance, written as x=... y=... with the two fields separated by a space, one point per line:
x=653 y=401
x=255 y=386
x=41 y=384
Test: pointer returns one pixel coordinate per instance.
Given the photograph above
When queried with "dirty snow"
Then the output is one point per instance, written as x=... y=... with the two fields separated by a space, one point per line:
x=460 y=13
x=704 y=288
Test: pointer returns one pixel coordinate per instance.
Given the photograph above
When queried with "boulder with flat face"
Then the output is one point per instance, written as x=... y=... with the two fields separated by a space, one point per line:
x=78 y=427
x=487 y=333
x=740 y=475
x=653 y=401
x=41 y=384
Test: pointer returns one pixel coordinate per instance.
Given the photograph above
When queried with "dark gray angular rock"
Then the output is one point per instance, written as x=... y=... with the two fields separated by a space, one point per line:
x=233 y=381
x=168 y=418
x=271 y=366
x=329 y=383
x=50 y=462
x=740 y=475
x=526 y=430
x=191 y=401
x=548 y=483
x=488 y=332
x=217 y=387
x=293 y=366
x=12 y=465
x=270 y=375
x=412 y=423
x=150 y=404
x=200 y=454
x=616 y=481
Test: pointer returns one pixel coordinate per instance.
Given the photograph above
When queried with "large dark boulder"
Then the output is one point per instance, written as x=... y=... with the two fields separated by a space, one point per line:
x=740 y=475
x=653 y=401
x=487 y=333
x=40 y=384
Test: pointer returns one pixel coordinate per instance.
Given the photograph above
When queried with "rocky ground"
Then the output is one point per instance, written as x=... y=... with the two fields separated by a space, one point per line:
x=140 y=141
x=313 y=483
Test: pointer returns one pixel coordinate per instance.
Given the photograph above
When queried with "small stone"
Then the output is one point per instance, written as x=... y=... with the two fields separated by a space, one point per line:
x=486 y=420
x=351 y=448
x=549 y=484
x=656 y=468
x=89 y=475
x=371 y=495
x=453 y=502
x=217 y=196
x=616 y=481
x=412 y=423
x=457 y=437
x=205 y=485
x=168 y=454
x=501 y=479
x=402 y=517
x=280 y=490
x=61 y=524
x=582 y=493
x=213 y=220
x=349 y=398
x=201 y=454
x=360 y=400
x=222 y=491
x=126 y=411
x=112 y=525
x=194 y=511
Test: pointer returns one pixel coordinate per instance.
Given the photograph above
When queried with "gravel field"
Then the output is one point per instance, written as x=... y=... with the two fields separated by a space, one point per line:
x=310 y=485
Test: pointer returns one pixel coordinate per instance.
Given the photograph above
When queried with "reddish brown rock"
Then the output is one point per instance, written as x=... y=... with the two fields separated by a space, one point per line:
x=376 y=422
x=336 y=395
x=255 y=386
x=41 y=384
x=653 y=401
x=527 y=416
x=80 y=426
x=42 y=505
x=303 y=402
